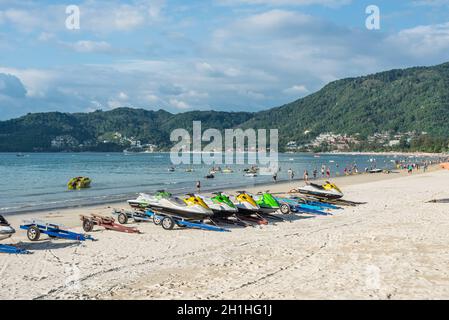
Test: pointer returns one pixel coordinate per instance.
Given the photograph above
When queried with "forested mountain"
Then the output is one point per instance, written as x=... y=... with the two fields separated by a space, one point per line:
x=396 y=101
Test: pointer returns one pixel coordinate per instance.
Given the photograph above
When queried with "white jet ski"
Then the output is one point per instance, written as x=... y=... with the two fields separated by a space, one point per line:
x=6 y=231
x=327 y=190
x=192 y=207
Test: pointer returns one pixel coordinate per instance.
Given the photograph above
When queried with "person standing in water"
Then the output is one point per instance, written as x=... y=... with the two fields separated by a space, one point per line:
x=275 y=176
x=198 y=186
x=306 y=176
x=328 y=172
x=315 y=172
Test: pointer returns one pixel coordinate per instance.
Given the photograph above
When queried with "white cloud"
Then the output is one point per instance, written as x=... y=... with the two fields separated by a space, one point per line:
x=423 y=41
x=327 y=3
x=37 y=82
x=178 y=104
x=87 y=46
x=99 y=16
x=123 y=96
x=11 y=86
x=297 y=90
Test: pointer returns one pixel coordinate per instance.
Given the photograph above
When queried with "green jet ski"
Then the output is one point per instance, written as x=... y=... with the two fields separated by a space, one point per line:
x=267 y=203
x=220 y=204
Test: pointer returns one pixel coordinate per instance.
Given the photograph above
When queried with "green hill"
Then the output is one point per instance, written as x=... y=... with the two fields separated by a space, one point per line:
x=397 y=101
x=415 y=99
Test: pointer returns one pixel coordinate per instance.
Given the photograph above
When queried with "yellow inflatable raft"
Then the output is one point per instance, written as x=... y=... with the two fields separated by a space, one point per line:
x=79 y=183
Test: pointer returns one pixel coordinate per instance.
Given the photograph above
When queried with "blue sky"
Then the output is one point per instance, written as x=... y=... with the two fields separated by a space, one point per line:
x=203 y=54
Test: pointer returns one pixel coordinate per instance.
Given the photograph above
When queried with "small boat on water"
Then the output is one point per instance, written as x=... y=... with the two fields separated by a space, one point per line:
x=171 y=169
x=227 y=170
x=251 y=175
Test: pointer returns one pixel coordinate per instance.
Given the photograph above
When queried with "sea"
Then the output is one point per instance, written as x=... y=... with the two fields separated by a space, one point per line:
x=38 y=181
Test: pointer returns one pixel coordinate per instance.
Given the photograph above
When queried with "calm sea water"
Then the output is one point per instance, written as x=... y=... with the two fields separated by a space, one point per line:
x=38 y=180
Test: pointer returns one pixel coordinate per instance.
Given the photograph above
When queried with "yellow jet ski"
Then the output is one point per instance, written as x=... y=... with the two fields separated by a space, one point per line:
x=327 y=190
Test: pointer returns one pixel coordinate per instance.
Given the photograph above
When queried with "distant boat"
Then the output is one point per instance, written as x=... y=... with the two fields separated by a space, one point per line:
x=172 y=169
x=20 y=155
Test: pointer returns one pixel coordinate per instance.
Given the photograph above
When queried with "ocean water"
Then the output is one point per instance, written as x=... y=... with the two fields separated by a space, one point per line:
x=39 y=180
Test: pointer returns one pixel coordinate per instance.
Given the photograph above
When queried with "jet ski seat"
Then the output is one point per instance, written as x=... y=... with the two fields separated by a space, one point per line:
x=178 y=201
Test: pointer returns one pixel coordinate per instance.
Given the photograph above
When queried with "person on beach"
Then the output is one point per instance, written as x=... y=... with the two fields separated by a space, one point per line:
x=275 y=176
x=328 y=173
x=198 y=186
x=322 y=171
x=315 y=172
x=306 y=176
x=290 y=174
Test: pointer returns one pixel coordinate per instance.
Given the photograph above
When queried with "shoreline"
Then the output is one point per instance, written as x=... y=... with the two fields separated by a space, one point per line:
x=386 y=153
x=341 y=181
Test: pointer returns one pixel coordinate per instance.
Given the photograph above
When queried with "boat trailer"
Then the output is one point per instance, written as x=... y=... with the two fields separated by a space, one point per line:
x=296 y=206
x=252 y=217
x=12 y=249
x=106 y=222
x=36 y=228
x=168 y=222
x=124 y=216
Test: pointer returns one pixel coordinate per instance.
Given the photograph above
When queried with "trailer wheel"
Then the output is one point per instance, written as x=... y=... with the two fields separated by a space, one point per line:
x=33 y=233
x=88 y=225
x=285 y=208
x=168 y=223
x=157 y=220
x=122 y=218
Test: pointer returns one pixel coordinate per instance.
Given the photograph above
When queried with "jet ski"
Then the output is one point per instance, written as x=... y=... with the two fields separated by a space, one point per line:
x=6 y=231
x=191 y=207
x=266 y=202
x=248 y=209
x=220 y=204
x=245 y=202
x=328 y=190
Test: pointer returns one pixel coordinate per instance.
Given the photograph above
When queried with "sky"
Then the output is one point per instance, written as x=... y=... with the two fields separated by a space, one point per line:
x=182 y=55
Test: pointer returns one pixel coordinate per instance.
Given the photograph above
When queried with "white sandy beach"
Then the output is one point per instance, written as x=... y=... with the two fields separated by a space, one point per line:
x=393 y=247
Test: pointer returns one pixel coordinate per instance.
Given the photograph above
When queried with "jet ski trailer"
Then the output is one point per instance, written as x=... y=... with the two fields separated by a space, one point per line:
x=290 y=205
x=6 y=231
x=169 y=221
x=35 y=228
x=106 y=222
